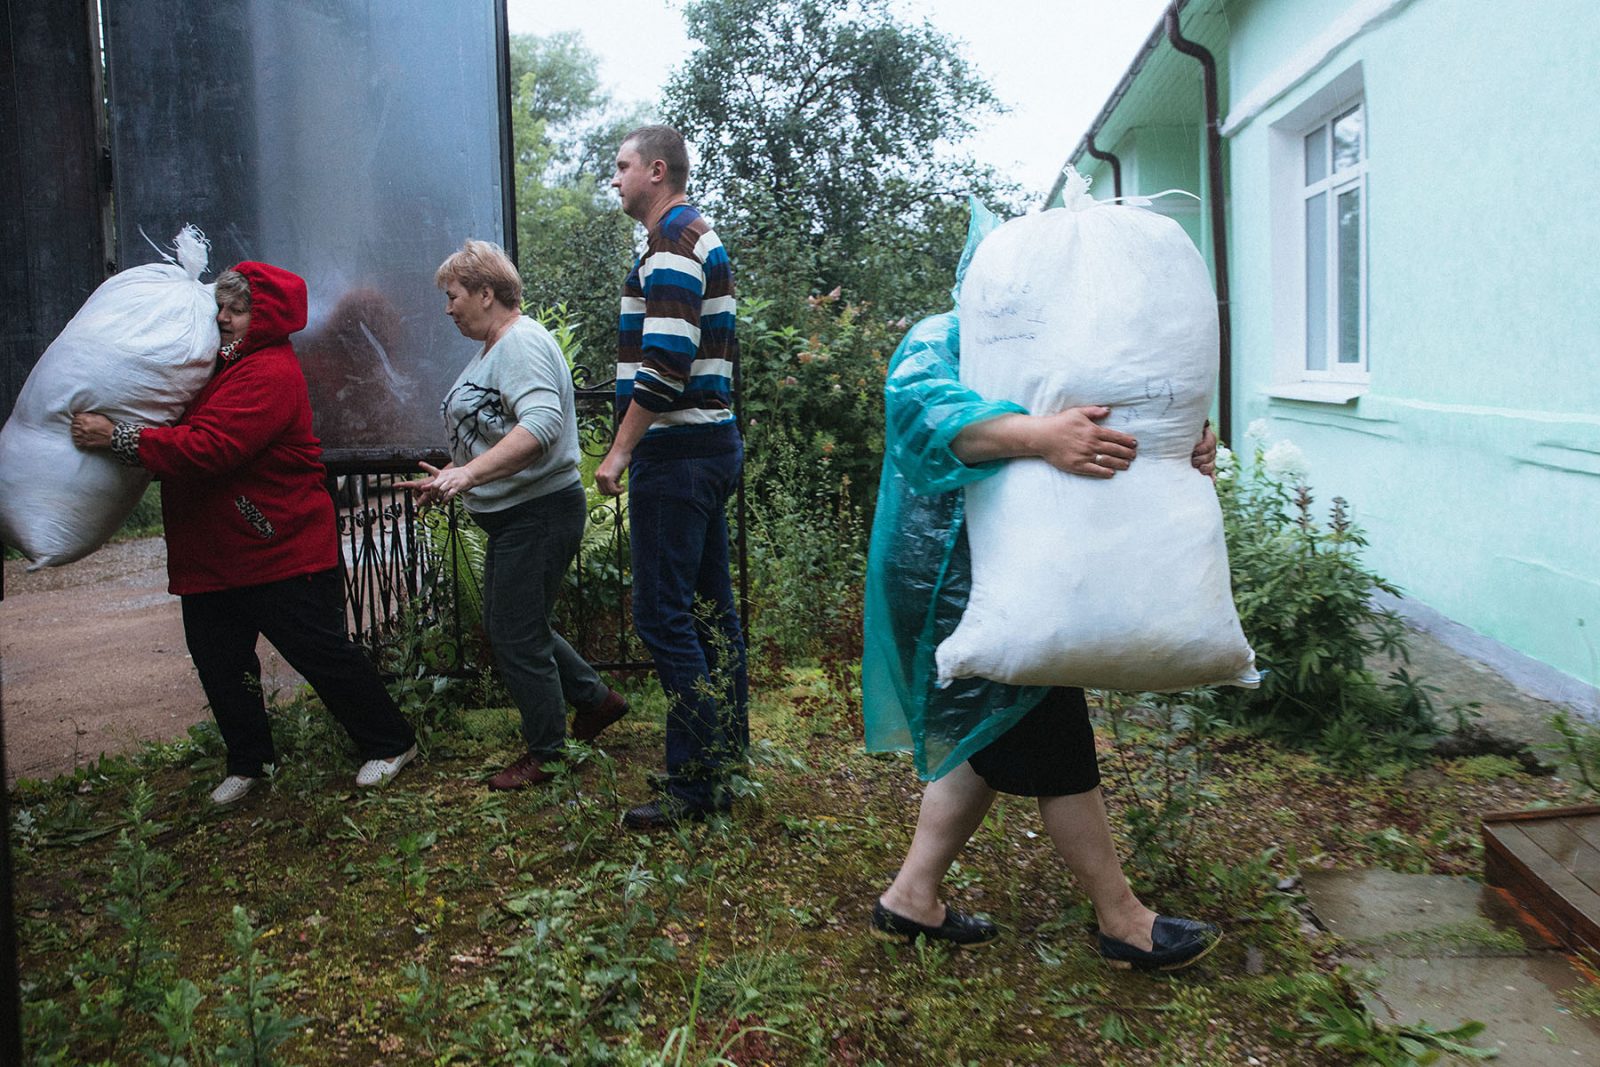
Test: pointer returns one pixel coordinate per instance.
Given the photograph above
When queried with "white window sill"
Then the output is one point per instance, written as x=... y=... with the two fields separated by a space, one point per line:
x=1318 y=392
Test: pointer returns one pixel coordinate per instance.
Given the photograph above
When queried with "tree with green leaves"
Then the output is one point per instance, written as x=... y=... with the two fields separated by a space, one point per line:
x=825 y=131
x=573 y=246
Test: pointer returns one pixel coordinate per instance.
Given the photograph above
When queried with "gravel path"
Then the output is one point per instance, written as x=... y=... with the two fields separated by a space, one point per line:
x=92 y=660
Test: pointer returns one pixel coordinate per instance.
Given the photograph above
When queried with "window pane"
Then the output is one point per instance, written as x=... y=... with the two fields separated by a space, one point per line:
x=1317 y=155
x=1347 y=139
x=1317 y=282
x=1350 y=276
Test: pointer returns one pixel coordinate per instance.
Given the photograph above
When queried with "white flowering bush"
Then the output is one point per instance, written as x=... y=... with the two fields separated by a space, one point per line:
x=1304 y=597
x=1284 y=462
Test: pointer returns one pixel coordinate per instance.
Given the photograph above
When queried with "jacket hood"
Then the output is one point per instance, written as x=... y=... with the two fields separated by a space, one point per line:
x=277 y=305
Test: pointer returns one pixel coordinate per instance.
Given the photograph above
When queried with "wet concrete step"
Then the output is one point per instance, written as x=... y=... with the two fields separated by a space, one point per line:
x=1444 y=950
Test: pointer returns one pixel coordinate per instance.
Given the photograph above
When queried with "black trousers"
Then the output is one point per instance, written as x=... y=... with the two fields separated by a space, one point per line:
x=304 y=619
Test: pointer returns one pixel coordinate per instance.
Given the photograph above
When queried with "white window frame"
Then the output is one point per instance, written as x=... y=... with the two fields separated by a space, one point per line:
x=1332 y=185
x=1288 y=193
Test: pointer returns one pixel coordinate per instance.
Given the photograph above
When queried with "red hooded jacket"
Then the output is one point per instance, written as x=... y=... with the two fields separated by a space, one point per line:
x=243 y=490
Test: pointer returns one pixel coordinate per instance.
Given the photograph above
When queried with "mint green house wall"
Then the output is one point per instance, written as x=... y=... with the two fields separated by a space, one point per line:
x=1471 y=450
x=1164 y=157
x=1473 y=456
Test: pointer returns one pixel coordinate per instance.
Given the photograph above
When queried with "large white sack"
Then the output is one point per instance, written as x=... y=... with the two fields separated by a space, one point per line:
x=1108 y=584
x=139 y=350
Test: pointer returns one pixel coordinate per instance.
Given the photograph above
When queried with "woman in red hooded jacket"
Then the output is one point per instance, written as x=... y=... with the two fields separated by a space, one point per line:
x=252 y=548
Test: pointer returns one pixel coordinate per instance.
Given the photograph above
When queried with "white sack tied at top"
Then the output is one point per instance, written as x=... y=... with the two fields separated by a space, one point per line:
x=1117 y=583
x=139 y=350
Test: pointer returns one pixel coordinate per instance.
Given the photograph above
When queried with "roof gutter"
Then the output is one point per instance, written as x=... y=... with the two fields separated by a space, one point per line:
x=1219 y=218
x=1106 y=157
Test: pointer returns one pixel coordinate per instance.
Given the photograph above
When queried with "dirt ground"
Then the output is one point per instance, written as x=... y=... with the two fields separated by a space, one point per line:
x=92 y=660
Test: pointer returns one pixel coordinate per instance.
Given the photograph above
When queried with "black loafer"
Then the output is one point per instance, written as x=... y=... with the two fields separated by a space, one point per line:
x=958 y=928
x=1174 y=944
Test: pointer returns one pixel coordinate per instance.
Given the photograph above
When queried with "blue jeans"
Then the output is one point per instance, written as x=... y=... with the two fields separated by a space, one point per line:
x=531 y=545
x=678 y=528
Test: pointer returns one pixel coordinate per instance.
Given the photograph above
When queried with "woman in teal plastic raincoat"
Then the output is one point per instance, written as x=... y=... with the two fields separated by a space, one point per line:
x=974 y=738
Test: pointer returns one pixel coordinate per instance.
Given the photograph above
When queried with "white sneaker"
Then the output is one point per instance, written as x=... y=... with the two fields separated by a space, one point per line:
x=378 y=771
x=232 y=789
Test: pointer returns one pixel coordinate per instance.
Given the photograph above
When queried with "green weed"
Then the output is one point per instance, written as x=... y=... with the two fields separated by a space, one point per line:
x=247 y=1002
x=1349 y=1028
x=1578 y=749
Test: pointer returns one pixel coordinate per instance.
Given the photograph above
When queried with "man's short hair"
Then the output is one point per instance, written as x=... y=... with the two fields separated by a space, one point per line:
x=666 y=144
x=233 y=290
x=482 y=264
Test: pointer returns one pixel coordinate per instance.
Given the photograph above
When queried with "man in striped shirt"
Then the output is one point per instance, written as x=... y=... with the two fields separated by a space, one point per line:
x=681 y=450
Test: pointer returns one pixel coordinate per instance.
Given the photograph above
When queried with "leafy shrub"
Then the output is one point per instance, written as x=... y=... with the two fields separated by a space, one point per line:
x=812 y=400
x=1304 y=598
x=812 y=378
x=248 y=1001
x=807 y=558
x=134 y=992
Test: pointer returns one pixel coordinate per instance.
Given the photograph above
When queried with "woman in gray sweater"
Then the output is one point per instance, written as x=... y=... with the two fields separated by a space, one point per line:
x=514 y=462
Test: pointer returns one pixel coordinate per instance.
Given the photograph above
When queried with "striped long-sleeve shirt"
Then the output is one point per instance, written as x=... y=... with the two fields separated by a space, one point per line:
x=676 y=346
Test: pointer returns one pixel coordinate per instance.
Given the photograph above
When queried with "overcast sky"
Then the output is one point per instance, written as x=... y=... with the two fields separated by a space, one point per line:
x=1053 y=62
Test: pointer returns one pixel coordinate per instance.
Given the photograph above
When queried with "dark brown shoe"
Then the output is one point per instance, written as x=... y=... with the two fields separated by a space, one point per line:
x=528 y=770
x=587 y=724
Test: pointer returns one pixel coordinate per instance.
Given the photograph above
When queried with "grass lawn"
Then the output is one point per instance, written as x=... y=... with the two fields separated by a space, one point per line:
x=432 y=921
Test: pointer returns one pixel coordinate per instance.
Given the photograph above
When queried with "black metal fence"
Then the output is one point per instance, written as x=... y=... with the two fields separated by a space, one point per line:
x=412 y=574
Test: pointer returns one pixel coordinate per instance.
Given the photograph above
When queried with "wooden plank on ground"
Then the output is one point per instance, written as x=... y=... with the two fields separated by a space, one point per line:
x=1540 y=814
x=1566 y=847
x=1586 y=827
x=1555 y=839
x=1573 y=906
x=1585 y=860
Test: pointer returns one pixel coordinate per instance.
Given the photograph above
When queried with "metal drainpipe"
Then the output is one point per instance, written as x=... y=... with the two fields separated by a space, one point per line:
x=1219 y=220
x=1106 y=157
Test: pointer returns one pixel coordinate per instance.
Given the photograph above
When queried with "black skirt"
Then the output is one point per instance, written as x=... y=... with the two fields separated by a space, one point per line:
x=1048 y=753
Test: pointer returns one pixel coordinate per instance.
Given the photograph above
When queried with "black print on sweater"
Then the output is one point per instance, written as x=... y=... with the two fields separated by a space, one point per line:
x=253 y=516
x=482 y=405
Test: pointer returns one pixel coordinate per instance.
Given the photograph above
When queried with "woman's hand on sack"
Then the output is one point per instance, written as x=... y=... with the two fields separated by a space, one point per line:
x=1204 y=456
x=441 y=484
x=1074 y=441
x=91 y=431
x=1071 y=441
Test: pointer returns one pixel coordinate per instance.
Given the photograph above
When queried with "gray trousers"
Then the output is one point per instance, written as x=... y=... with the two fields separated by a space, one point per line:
x=531 y=545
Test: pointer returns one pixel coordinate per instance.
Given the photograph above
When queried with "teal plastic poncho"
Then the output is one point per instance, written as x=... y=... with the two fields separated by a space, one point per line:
x=919 y=570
